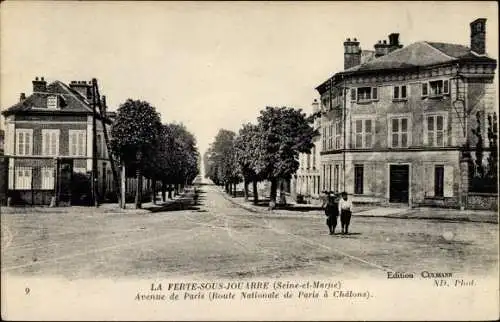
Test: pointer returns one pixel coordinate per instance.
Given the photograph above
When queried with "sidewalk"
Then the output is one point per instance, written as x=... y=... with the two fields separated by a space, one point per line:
x=423 y=213
x=106 y=208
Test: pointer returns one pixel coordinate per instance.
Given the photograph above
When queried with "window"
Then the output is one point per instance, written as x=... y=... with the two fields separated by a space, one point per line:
x=363 y=134
x=399 y=92
x=50 y=142
x=330 y=135
x=52 y=102
x=47 y=178
x=436 y=88
x=324 y=177
x=364 y=94
x=323 y=138
x=353 y=94
x=77 y=142
x=330 y=178
x=439 y=181
x=442 y=184
x=24 y=141
x=358 y=179
x=435 y=134
x=399 y=130
x=374 y=93
x=23 y=178
x=336 y=178
x=314 y=157
x=424 y=90
x=337 y=135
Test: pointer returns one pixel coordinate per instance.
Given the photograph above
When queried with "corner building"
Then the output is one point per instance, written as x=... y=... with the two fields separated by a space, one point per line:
x=394 y=126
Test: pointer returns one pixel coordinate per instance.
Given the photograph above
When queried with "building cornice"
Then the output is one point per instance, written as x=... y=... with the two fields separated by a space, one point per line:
x=472 y=68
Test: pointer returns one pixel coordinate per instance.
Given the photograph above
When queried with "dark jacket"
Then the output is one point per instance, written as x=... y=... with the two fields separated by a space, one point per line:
x=332 y=208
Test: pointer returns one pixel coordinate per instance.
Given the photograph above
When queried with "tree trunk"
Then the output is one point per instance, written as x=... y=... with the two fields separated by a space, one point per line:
x=255 y=192
x=245 y=189
x=138 y=192
x=176 y=189
x=153 y=191
x=234 y=190
x=274 y=188
x=123 y=186
x=170 y=191
x=163 y=191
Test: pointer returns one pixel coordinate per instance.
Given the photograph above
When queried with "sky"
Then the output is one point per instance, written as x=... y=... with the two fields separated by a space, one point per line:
x=211 y=65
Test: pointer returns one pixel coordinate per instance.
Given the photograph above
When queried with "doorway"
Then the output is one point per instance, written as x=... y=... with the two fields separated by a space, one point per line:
x=399 y=183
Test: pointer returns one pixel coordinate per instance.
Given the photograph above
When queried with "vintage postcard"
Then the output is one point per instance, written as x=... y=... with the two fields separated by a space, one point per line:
x=249 y=160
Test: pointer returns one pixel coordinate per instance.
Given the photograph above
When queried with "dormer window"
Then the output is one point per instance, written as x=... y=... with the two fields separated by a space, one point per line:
x=52 y=102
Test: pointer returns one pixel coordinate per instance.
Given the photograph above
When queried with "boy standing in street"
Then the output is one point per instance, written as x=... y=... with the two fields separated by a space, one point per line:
x=331 y=211
x=345 y=210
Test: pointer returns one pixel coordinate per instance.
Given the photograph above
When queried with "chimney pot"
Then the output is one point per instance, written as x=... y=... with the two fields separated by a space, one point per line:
x=42 y=78
x=348 y=39
x=36 y=78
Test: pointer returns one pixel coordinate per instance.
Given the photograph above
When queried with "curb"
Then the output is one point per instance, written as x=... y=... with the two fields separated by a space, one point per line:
x=360 y=214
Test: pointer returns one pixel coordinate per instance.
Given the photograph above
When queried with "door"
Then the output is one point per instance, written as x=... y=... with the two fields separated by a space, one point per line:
x=399 y=183
x=65 y=181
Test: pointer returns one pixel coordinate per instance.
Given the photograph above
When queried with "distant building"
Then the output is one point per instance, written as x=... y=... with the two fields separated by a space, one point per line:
x=395 y=128
x=48 y=140
x=306 y=183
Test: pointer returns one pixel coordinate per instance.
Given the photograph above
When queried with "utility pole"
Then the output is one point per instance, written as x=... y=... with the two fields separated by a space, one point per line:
x=93 y=183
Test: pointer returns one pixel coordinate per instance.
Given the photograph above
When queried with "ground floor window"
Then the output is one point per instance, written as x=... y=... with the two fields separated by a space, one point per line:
x=20 y=178
x=47 y=178
x=358 y=179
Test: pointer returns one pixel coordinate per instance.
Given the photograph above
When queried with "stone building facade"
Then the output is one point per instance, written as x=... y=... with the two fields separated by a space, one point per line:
x=306 y=183
x=395 y=128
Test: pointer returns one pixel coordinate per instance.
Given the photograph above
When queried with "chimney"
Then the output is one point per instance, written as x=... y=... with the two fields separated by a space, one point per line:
x=352 y=53
x=381 y=48
x=22 y=97
x=315 y=106
x=478 y=36
x=39 y=85
x=394 y=42
x=82 y=88
x=104 y=106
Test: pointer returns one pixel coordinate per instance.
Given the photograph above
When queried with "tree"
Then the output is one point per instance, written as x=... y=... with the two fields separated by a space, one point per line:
x=284 y=133
x=135 y=134
x=248 y=151
x=493 y=143
x=221 y=160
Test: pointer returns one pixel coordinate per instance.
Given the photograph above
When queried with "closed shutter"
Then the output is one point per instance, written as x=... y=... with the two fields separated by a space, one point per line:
x=429 y=182
x=353 y=94
x=448 y=181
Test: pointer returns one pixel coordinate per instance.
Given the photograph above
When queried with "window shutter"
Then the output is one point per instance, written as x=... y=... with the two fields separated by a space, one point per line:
x=424 y=89
x=374 y=93
x=446 y=87
x=448 y=181
x=353 y=94
x=46 y=141
x=28 y=145
x=426 y=127
x=431 y=175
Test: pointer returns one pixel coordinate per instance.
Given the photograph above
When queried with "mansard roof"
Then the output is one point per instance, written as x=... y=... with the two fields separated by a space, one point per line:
x=421 y=54
x=70 y=102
